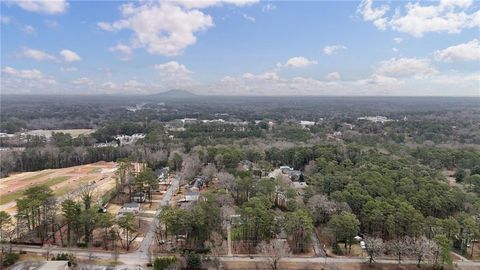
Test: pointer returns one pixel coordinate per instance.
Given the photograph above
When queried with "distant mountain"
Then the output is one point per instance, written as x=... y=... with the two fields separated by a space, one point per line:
x=175 y=93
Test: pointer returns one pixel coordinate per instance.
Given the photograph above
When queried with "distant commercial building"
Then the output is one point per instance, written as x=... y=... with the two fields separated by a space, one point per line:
x=375 y=119
x=129 y=139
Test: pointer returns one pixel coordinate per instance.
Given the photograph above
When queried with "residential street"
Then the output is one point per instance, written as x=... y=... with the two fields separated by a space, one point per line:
x=136 y=258
x=150 y=235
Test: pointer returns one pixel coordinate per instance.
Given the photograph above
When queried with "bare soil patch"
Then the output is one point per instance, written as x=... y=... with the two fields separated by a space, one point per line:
x=61 y=181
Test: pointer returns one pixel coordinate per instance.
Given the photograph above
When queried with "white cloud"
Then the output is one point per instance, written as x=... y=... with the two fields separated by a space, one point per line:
x=17 y=81
x=394 y=49
x=132 y=86
x=43 y=6
x=248 y=17
x=5 y=19
x=70 y=56
x=381 y=80
x=333 y=76
x=267 y=76
x=405 y=67
x=173 y=72
x=68 y=69
x=24 y=74
x=82 y=81
x=166 y=27
x=446 y=16
x=28 y=29
x=37 y=55
x=160 y=28
x=332 y=49
x=271 y=84
x=209 y=3
x=297 y=62
x=374 y=15
x=268 y=7
x=398 y=40
x=124 y=50
x=469 y=51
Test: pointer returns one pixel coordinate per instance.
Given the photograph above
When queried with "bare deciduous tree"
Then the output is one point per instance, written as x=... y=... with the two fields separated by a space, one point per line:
x=399 y=247
x=216 y=244
x=310 y=168
x=322 y=208
x=275 y=251
x=191 y=166
x=422 y=248
x=226 y=180
x=374 y=247
x=209 y=172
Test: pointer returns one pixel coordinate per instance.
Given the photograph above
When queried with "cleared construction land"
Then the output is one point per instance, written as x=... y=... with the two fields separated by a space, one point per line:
x=63 y=182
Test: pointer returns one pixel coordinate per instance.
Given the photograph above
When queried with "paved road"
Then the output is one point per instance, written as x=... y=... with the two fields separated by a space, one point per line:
x=150 y=235
x=137 y=258
x=317 y=247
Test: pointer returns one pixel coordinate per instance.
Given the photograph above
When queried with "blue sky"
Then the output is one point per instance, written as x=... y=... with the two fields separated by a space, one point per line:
x=241 y=47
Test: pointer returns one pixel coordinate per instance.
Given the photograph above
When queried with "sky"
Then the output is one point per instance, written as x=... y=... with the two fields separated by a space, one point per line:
x=241 y=47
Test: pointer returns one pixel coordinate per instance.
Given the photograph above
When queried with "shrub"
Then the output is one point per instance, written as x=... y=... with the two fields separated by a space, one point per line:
x=60 y=257
x=10 y=259
x=163 y=262
x=193 y=260
x=336 y=249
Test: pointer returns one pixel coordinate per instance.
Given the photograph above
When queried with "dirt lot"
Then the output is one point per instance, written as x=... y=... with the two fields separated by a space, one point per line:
x=61 y=181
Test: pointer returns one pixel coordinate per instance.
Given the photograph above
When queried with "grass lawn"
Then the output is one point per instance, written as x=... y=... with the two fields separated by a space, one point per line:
x=11 y=196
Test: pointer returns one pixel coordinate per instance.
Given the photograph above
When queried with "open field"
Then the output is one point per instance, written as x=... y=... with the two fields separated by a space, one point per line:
x=63 y=181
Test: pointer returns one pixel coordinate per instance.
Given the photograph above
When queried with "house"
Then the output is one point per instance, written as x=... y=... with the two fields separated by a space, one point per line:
x=127 y=139
x=375 y=119
x=214 y=121
x=296 y=176
x=192 y=196
x=139 y=197
x=109 y=144
x=285 y=169
x=337 y=134
x=129 y=208
x=162 y=173
x=306 y=124
x=198 y=182
x=189 y=120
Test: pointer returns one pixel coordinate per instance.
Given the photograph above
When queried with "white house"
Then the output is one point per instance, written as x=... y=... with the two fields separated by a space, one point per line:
x=133 y=208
